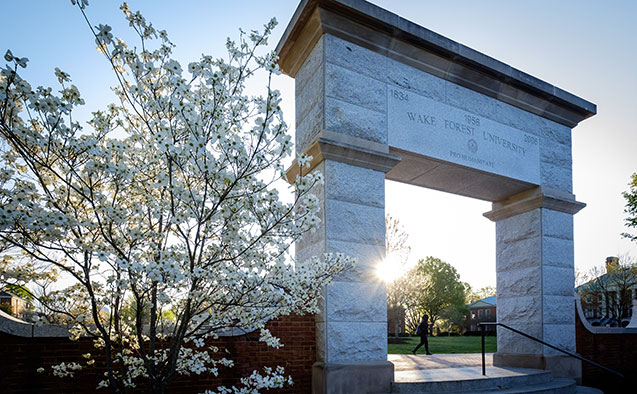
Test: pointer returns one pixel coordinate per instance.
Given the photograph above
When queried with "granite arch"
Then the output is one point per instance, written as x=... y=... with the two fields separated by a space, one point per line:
x=378 y=97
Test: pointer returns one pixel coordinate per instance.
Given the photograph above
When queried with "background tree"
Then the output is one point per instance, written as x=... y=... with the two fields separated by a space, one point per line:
x=452 y=318
x=631 y=208
x=438 y=287
x=483 y=292
x=166 y=202
x=400 y=289
x=612 y=286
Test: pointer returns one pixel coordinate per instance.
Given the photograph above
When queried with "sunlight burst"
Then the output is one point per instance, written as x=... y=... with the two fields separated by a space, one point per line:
x=388 y=270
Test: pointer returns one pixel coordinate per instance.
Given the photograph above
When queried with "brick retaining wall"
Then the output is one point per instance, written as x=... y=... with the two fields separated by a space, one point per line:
x=614 y=348
x=21 y=356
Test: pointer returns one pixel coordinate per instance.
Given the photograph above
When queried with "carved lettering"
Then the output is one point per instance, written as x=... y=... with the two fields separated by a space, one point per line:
x=506 y=144
x=471 y=159
x=422 y=118
x=398 y=95
x=459 y=127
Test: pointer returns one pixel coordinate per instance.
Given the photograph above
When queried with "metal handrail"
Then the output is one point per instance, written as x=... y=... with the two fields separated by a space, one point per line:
x=482 y=330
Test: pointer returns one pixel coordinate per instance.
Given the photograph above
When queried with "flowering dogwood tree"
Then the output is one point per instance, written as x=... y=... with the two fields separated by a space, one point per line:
x=165 y=203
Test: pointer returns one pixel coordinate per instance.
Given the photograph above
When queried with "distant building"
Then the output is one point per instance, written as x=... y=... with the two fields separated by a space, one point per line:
x=395 y=320
x=481 y=311
x=13 y=304
x=607 y=299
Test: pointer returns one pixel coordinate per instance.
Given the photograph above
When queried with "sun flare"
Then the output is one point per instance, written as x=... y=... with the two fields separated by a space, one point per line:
x=388 y=271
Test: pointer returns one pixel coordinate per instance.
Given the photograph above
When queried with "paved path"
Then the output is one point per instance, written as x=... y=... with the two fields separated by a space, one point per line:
x=442 y=367
x=404 y=362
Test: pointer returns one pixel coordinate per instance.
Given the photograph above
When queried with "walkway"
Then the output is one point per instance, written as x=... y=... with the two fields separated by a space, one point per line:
x=404 y=362
x=443 y=367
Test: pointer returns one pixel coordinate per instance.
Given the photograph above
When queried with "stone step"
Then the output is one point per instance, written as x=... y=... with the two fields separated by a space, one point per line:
x=555 y=386
x=587 y=390
x=466 y=379
x=471 y=380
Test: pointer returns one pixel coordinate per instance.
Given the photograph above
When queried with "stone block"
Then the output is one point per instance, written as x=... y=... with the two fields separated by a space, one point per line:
x=317 y=234
x=491 y=108
x=555 y=153
x=318 y=189
x=558 y=310
x=368 y=257
x=438 y=130
x=519 y=227
x=310 y=66
x=353 y=378
x=355 y=88
x=520 y=282
x=353 y=57
x=321 y=315
x=15 y=326
x=513 y=343
x=350 y=222
x=321 y=340
x=345 y=182
x=51 y=330
x=305 y=252
x=517 y=311
x=356 y=301
x=309 y=128
x=311 y=238
x=554 y=131
x=557 y=252
x=557 y=281
x=519 y=254
x=409 y=78
x=356 y=341
x=556 y=177
x=350 y=119
x=563 y=366
x=557 y=224
x=559 y=335
x=309 y=98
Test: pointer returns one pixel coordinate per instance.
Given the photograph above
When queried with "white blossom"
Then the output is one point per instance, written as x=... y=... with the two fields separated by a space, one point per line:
x=163 y=211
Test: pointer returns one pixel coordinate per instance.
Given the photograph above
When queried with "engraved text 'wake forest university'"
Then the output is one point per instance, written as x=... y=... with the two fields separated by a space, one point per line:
x=422 y=125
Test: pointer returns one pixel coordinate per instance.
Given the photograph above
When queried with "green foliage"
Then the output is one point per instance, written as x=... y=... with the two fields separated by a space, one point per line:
x=631 y=208
x=475 y=295
x=19 y=291
x=439 y=287
x=6 y=308
x=452 y=317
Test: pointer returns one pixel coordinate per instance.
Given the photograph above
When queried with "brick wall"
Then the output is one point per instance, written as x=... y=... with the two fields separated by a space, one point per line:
x=614 y=348
x=21 y=356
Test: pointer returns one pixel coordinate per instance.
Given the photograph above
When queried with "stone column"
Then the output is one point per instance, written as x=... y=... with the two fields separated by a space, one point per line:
x=535 y=280
x=352 y=326
x=341 y=123
x=633 y=319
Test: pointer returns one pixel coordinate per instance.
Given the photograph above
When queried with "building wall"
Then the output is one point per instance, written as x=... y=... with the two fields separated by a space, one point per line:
x=18 y=305
x=480 y=314
x=595 y=305
x=21 y=356
x=395 y=321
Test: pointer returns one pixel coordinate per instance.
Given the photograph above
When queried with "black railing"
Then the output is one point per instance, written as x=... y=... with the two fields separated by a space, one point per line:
x=482 y=330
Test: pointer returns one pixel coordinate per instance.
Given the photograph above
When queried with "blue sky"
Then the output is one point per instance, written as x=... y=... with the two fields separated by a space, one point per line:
x=588 y=48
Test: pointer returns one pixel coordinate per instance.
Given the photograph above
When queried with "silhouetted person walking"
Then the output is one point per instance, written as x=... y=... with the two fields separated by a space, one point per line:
x=421 y=330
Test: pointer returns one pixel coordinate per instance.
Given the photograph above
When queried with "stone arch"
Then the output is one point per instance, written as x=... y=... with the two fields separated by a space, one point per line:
x=378 y=97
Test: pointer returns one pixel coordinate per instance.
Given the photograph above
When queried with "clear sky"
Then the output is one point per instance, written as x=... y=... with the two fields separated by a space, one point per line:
x=586 y=47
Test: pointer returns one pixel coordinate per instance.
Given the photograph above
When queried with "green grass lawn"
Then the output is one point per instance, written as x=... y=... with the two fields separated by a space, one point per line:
x=445 y=345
